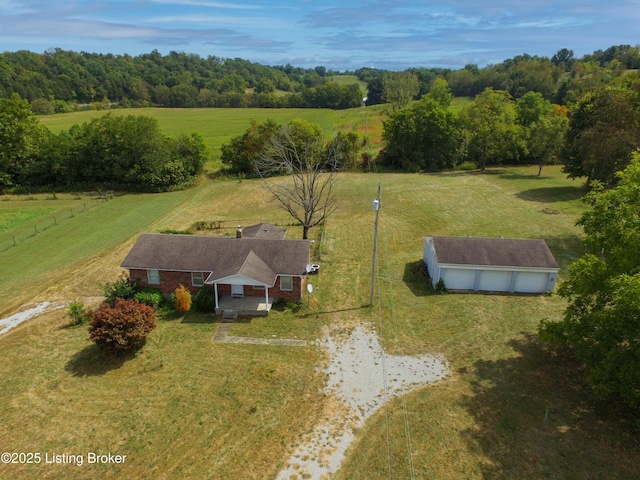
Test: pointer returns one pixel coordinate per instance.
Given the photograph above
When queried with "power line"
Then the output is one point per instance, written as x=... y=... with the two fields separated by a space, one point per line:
x=384 y=387
x=374 y=274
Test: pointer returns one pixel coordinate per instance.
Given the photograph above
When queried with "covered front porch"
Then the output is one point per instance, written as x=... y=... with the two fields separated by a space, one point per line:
x=233 y=306
x=240 y=295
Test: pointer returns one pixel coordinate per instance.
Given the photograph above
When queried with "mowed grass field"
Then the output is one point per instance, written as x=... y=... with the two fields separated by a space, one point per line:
x=185 y=407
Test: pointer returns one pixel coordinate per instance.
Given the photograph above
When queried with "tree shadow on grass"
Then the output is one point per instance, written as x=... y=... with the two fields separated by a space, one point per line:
x=91 y=361
x=551 y=194
x=535 y=418
x=467 y=173
x=417 y=278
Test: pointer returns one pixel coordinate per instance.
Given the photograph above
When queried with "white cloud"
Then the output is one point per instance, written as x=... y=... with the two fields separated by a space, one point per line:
x=230 y=21
x=204 y=3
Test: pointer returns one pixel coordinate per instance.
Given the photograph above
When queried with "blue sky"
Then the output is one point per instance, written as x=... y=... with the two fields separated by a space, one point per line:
x=341 y=35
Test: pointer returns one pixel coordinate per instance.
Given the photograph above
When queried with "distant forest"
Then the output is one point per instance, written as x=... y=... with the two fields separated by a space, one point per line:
x=59 y=81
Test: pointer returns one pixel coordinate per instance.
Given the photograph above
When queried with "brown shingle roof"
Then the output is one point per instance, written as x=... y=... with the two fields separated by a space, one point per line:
x=253 y=257
x=509 y=252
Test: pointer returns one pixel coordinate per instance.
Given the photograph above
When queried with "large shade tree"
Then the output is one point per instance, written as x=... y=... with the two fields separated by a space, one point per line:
x=423 y=136
x=493 y=135
x=545 y=126
x=602 y=320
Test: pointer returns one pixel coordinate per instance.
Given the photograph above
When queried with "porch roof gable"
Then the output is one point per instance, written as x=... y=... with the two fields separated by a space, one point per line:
x=251 y=267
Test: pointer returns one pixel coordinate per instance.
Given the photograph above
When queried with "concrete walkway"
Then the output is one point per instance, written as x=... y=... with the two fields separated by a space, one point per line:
x=222 y=337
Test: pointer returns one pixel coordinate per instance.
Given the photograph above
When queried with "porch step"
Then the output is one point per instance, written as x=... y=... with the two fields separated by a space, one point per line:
x=229 y=315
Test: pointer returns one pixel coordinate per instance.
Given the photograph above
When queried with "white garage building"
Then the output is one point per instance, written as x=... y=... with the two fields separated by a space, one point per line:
x=491 y=264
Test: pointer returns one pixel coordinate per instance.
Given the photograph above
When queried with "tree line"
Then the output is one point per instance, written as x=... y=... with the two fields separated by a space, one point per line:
x=117 y=152
x=561 y=79
x=495 y=128
x=61 y=81
x=593 y=138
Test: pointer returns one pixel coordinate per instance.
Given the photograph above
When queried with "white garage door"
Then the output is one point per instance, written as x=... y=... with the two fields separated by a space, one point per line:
x=495 y=280
x=532 y=282
x=458 y=278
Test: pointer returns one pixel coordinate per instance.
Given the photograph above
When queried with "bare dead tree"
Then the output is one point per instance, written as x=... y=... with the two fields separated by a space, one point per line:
x=308 y=171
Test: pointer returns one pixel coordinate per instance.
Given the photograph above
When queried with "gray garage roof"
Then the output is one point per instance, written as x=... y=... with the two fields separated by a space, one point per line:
x=257 y=258
x=508 y=252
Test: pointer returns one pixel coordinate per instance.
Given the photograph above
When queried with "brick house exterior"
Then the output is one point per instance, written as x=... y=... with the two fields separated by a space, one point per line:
x=170 y=280
x=256 y=263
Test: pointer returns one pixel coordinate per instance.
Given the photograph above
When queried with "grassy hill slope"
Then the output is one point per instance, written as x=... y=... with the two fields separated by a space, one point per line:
x=216 y=125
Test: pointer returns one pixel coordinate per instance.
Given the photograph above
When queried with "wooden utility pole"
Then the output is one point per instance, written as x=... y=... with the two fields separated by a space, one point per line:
x=376 y=208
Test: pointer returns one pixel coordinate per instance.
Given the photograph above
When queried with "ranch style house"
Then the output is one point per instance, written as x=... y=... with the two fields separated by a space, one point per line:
x=246 y=272
x=491 y=264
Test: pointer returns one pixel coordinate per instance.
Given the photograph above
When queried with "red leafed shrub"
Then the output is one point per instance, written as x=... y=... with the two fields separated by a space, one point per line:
x=123 y=327
x=182 y=299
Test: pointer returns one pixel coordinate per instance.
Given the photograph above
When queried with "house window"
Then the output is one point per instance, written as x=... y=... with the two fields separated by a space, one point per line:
x=153 y=277
x=286 y=282
x=197 y=279
x=258 y=287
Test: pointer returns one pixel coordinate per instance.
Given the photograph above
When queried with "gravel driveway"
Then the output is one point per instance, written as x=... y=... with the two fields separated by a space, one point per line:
x=362 y=378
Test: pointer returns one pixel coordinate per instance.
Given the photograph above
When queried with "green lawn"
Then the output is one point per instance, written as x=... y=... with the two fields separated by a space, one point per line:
x=185 y=407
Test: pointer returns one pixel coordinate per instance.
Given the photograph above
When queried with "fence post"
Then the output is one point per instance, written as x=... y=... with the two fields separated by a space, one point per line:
x=71 y=212
x=36 y=228
x=55 y=222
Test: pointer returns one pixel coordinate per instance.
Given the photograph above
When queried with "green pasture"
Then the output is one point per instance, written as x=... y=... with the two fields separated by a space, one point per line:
x=216 y=125
x=348 y=80
x=23 y=216
x=185 y=407
x=39 y=261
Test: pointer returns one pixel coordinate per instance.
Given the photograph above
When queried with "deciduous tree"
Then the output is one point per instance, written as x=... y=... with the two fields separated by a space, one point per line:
x=490 y=125
x=545 y=128
x=19 y=135
x=241 y=153
x=602 y=321
x=425 y=135
x=306 y=170
x=604 y=130
x=399 y=88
